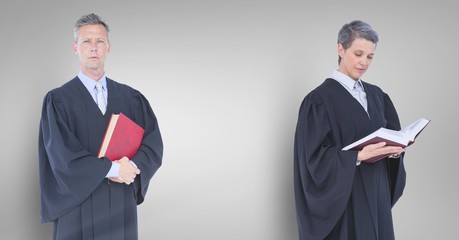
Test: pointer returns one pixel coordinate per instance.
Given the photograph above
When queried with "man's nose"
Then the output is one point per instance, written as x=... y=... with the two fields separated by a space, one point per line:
x=93 y=46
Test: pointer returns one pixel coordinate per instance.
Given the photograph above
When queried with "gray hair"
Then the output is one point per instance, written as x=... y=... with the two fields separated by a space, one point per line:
x=89 y=19
x=356 y=29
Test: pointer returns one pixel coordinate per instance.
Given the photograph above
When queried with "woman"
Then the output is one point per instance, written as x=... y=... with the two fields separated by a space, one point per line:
x=340 y=194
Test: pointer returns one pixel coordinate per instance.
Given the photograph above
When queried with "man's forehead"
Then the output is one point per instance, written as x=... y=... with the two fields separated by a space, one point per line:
x=92 y=29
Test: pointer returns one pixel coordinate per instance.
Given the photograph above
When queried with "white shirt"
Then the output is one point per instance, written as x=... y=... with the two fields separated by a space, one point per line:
x=355 y=88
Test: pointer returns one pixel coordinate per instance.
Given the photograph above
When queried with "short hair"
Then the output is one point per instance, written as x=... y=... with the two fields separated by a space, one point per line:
x=89 y=19
x=356 y=29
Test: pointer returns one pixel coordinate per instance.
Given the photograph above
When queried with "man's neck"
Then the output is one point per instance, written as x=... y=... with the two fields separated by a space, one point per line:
x=93 y=74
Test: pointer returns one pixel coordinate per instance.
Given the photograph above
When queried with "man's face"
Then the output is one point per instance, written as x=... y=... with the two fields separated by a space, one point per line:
x=91 y=47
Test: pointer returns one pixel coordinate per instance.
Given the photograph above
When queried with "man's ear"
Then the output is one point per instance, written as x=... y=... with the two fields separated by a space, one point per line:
x=75 y=48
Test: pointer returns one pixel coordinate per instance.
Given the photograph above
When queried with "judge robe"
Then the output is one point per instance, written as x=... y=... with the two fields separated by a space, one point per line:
x=335 y=198
x=75 y=194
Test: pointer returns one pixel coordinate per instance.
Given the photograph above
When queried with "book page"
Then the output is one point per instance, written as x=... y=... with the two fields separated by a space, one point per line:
x=389 y=132
x=414 y=129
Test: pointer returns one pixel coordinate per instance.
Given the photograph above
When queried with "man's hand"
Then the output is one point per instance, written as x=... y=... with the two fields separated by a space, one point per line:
x=378 y=149
x=127 y=172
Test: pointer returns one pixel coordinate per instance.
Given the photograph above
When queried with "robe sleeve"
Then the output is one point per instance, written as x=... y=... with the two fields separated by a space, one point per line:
x=149 y=157
x=323 y=175
x=397 y=174
x=68 y=172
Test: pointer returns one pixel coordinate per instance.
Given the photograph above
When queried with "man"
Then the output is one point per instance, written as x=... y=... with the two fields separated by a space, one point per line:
x=84 y=196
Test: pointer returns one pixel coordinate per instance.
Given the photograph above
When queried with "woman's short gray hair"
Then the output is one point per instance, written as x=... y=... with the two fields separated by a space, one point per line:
x=89 y=19
x=356 y=29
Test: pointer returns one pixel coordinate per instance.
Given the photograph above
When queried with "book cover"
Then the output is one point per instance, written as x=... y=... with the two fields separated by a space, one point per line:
x=402 y=138
x=122 y=138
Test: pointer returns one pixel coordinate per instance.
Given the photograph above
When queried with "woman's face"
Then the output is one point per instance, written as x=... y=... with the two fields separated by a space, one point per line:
x=357 y=58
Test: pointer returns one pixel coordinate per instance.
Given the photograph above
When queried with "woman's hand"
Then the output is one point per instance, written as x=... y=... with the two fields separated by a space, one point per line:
x=378 y=149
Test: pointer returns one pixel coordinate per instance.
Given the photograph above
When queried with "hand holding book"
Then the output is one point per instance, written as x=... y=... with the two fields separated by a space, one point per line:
x=399 y=139
x=374 y=152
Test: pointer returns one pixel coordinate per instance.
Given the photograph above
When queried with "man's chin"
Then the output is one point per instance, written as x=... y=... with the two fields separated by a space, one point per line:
x=94 y=67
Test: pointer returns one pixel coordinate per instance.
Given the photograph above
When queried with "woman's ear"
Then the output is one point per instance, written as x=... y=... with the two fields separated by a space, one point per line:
x=340 y=50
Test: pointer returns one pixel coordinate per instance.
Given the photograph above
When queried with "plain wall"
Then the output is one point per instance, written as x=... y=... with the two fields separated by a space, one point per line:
x=226 y=79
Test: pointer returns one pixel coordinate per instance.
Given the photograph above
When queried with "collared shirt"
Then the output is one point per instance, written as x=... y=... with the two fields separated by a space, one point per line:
x=355 y=88
x=90 y=85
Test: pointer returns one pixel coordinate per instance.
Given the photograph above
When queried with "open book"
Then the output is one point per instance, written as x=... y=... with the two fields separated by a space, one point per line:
x=402 y=138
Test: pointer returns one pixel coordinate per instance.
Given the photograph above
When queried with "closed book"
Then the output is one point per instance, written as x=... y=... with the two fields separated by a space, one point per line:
x=122 y=138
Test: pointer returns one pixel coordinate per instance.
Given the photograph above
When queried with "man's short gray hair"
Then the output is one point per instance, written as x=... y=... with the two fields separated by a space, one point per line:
x=356 y=29
x=89 y=19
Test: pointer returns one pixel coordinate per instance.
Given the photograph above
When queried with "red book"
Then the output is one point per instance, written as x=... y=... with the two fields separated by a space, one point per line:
x=122 y=138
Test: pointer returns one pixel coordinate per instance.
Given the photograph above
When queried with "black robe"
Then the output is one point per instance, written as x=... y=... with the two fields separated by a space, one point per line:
x=75 y=194
x=335 y=199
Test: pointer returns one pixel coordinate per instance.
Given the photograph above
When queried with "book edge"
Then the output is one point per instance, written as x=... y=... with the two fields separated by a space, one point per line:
x=108 y=134
x=382 y=134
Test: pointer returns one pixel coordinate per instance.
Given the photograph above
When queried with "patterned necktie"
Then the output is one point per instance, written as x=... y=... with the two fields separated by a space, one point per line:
x=100 y=98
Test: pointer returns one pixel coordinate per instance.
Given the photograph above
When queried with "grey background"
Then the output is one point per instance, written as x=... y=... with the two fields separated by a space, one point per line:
x=226 y=79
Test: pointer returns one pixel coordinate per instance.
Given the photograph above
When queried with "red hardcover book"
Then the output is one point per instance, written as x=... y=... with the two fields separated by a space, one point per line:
x=122 y=138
